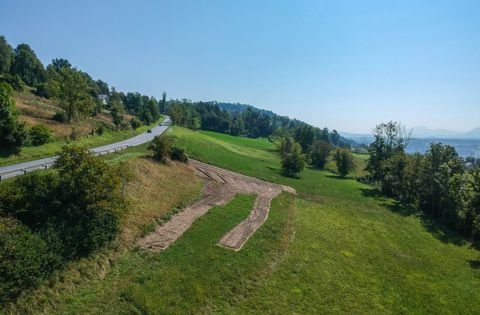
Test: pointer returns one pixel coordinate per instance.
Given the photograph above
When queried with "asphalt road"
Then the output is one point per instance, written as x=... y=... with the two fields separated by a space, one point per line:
x=13 y=170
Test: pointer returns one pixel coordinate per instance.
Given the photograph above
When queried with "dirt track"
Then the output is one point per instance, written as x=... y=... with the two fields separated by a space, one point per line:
x=220 y=187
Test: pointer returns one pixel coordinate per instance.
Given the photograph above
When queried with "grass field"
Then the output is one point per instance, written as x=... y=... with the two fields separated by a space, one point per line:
x=337 y=248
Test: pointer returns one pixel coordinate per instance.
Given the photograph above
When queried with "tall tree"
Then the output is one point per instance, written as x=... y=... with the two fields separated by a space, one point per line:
x=12 y=133
x=6 y=55
x=27 y=66
x=305 y=135
x=344 y=160
x=293 y=160
x=390 y=138
x=441 y=163
x=163 y=103
x=72 y=92
x=320 y=151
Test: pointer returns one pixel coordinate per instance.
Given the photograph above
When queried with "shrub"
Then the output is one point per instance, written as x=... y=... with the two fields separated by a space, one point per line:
x=23 y=259
x=135 y=123
x=293 y=160
x=344 y=160
x=124 y=125
x=179 y=154
x=161 y=147
x=13 y=80
x=43 y=91
x=75 y=208
x=100 y=130
x=60 y=117
x=40 y=134
x=320 y=151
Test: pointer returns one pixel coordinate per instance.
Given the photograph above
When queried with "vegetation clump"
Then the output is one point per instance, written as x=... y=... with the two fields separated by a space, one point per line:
x=344 y=160
x=40 y=134
x=51 y=218
x=293 y=160
x=12 y=132
x=163 y=148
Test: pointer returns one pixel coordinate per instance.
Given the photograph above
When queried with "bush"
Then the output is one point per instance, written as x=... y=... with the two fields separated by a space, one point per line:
x=13 y=80
x=23 y=259
x=179 y=154
x=320 y=151
x=161 y=147
x=42 y=91
x=124 y=125
x=100 y=130
x=293 y=161
x=40 y=134
x=75 y=208
x=60 y=117
x=344 y=160
x=135 y=123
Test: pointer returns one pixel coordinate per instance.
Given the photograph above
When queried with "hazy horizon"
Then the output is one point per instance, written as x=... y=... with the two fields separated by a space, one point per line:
x=344 y=65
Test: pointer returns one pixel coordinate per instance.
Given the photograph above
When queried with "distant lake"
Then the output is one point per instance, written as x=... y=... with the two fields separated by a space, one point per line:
x=464 y=147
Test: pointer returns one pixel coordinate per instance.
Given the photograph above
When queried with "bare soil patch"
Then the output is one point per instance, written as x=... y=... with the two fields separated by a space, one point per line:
x=220 y=187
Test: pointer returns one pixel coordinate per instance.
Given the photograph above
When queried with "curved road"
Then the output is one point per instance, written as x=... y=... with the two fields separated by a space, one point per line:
x=13 y=170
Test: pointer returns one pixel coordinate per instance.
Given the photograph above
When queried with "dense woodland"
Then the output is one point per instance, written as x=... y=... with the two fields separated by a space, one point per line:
x=438 y=184
x=75 y=92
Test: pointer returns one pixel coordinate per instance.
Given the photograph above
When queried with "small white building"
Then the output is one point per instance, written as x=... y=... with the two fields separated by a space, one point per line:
x=103 y=98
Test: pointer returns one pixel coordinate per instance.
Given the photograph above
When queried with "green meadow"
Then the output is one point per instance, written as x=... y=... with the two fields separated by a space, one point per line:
x=338 y=247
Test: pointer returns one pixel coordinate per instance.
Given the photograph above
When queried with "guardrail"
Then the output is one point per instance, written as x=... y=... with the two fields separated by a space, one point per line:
x=44 y=166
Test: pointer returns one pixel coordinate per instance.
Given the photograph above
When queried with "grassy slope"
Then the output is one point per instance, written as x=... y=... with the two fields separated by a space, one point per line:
x=36 y=110
x=193 y=273
x=353 y=251
x=153 y=191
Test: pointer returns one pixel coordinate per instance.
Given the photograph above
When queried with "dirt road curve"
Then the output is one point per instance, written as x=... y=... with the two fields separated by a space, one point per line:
x=220 y=187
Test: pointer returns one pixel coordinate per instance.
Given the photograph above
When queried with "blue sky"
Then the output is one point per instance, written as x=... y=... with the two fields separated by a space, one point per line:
x=346 y=65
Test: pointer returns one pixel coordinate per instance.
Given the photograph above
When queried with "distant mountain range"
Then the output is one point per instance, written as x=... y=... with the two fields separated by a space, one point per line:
x=427 y=133
x=421 y=132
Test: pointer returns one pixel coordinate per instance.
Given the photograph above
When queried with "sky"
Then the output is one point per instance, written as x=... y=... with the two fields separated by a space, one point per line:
x=345 y=65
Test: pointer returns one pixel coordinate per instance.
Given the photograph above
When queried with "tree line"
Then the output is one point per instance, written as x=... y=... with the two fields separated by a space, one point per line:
x=298 y=143
x=249 y=122
x=75 y=92
x=439 y=183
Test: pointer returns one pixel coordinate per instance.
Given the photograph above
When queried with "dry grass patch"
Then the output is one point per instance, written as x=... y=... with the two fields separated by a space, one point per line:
x=154 y=190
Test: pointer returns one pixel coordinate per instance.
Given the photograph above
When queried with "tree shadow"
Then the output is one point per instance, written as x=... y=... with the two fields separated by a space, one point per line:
x=438 y=230
x=475 y=264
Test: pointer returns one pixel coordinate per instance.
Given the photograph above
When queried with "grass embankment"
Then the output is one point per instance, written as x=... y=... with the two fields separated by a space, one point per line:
x=36 y=110
x=353 y=252
x=152 y=192
x=52 y=148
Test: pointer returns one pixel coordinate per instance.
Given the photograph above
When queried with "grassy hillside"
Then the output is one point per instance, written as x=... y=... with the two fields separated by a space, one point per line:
x=339 y=248
x=153 y=191
x=37 y=110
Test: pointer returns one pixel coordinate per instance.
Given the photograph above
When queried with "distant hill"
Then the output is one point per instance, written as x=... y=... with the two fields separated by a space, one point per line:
x=425 y=132
x=472 y=134
x=420 y=132
x=239 y=108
